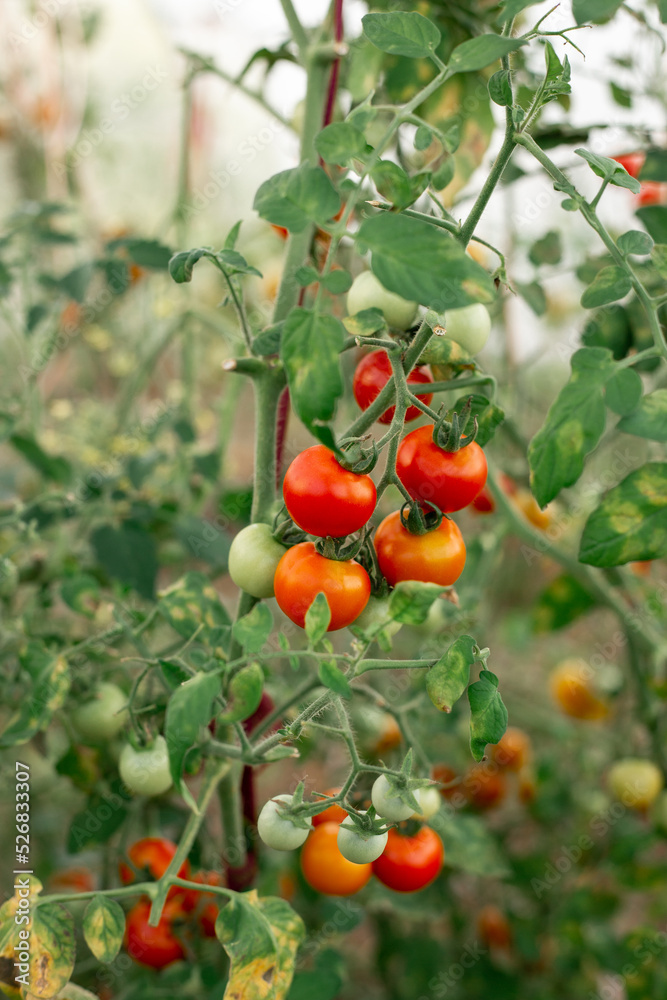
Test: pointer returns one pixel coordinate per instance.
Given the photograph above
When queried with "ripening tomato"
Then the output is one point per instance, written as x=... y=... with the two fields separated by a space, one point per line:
x=531 y=510
x=513 y=749
x=323 y=498
x=650 y=192
x=152 y=946
x=408 y=864
x=449 y=479
x=484 y=786
x=469 y=326
x=371 y=376
x=436 y=557
x=572 y=691
x=333 y=813
x=632 y=162
x=71 y=880
x=303 y=573
x=448 y=777
x=153 y=855
x=636 y=782
x=324 y=867
x=484 y=502
x=493 y=927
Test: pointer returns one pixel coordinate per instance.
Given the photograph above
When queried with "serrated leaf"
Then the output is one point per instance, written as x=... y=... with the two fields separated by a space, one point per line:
x=623 y=391
x=244 y=694
x=610 y=284
x=317 y=620
x=649 y=419
x=478 y=53
x=402 y=34
x=190 y=707
x=448 y=678
x=333 y=678
x=630 y=524
x=573 y=425
x=293 y=198
x=340 y=142
x=422 y=263
x=411 y=600
x=103 y=928
x=310 y=347
x=488 y=715
x=51 y=681
x=635 y=241
x=254 y=629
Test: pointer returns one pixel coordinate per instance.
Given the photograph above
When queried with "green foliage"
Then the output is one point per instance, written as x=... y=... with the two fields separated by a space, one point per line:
x=631 y=522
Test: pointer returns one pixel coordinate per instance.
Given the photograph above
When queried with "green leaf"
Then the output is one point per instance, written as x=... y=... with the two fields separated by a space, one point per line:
x=267 y=341
x=630 y=525
x=423 y=138
x=654 y=220
x=635 y=241
x=333 y=678
x=610 y=328
x=546 y=250
x=392 y=183
x=596 y=11
x=609 y=169
x=411 y=600
x=233 y=235
x=654 y=167
x=51 y=680
x=489 y=417
x=488 y=715
x=295 y=197
x=145 y=253
x=340 y=142
x=310 y=351
x=75 y=283
x=444 y=175
x=620 y=95
x=190 y=707
x=338 y=281
x=557 y=80
x=533 y=294
x=448 y=678
x=98 y=821
x=244 y=694
x=52 y=949
x=563 y=601
x=192 y=604
x=402 y=34
x=318 y=618
x=610 y=284
x=261 y=937
x=253 y=629
x=127 y=553
x=365 y=323
x=510 y=9
x=423 y=263
x=324 y=981
x=649 y=420
x=623 y=391
x=103 y=928
x=470 y=845
x=573 y=426
x=500 y=88
x=51 y=466
x=477 y=53
x=659 y=259
x=81 y=593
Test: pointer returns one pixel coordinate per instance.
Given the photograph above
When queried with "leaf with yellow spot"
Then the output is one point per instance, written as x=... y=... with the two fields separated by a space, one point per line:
x=50 y=684
x=630 y=525
x=103 y=927
x=52 y=950
x=261 y=937
x=192 y=605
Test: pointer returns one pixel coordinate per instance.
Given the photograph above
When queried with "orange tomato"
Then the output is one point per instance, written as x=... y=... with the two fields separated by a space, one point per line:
x=446 y=775
x=436 y=557
x=324 y=867
x=72 y=879
x=530 y=509
x=573 y=693
x=493 y=927
x=334 y=813
x=390 y=736
x=513 y=749
x=484 y=786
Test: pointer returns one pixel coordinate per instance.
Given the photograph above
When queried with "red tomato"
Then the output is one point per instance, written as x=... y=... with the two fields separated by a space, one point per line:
x=152 y=946
x=324 y=867
x=371 y=376
x=493 y=927
x=436 y=557
x=408 y=864
x=210 y=910
x=152 y=855
x=303 y=573
x=484 y=502
x=632 y=162
x=323 y=498
x=449 y=479
x=333 y=814
x=484 y=786
x=651 y=192
x=72 y=880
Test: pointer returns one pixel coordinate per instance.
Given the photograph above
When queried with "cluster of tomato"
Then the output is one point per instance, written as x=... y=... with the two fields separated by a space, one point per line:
x=161 y=945
x=338 y=858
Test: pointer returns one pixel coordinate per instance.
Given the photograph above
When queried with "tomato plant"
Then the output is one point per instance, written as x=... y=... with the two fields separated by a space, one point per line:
x=438 y=556
x=326 y=870
x=372 y=374
x=157 y=946
x=450 y=480
x=303 y=573
x=323 y=498
x=253 y=558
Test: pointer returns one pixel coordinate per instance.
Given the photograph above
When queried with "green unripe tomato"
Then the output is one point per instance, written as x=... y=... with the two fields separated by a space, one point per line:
x=429 y=800
x=636 y=782
x=279 y=832
x=146 y=771
x=358 y=849
x=367 y=292
x=388 y=804
x=253 y=557
x=469 y=327
x=375 y=618
x=103 y=716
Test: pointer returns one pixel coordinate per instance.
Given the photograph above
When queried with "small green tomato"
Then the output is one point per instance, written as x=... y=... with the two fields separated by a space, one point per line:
x=388 y=804
x=375 y=618
x=103 y=716
x=253 y=557
x=429 y=803
x=146 y=771
x=358 y=849
x=279 y=832
x=367 y=292
x=469 y=327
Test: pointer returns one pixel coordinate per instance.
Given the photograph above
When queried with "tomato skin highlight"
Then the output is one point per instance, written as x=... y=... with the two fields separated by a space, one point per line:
x=408 y=864
x=152 y=946
x=303 y=573
x=324 y=867
x=372 y=374
x=436 y=557
x=323 y=498
x=449 y=479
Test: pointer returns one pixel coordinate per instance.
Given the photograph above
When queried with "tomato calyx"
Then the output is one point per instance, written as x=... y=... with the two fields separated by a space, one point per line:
x=295 y=810
x=285 y=531
x=340 y=549
x=366 y=824
x=418 y=521
x=357 y=457
x=449 y=433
